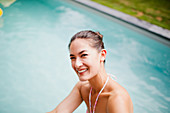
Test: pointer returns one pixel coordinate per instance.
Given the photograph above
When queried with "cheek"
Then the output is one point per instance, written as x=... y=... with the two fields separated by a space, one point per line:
x=72 y=64
x=96 y=59
x=94 y=63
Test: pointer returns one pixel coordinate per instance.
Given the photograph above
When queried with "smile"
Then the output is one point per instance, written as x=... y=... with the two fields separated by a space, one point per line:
x=82 y=71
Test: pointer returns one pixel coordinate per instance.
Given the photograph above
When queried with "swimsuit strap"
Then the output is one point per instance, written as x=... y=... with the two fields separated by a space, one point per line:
x=111 y=75
x=97 y=96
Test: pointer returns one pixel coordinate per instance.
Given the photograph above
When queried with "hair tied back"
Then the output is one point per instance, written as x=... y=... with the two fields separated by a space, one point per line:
x=101 y=36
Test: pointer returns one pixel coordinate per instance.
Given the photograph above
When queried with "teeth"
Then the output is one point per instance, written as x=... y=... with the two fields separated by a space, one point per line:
x=82 y=71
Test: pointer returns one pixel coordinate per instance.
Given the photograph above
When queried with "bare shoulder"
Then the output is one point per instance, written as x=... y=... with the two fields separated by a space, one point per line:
x=83 y=86
x=119 y=101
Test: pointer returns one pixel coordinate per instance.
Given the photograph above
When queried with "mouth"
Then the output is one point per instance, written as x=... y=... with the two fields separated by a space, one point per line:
x=82 y=71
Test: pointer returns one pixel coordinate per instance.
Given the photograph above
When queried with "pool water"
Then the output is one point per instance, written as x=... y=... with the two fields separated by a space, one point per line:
x=35 y=70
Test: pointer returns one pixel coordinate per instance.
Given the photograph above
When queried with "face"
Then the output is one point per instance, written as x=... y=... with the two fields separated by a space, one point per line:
x=85 y=59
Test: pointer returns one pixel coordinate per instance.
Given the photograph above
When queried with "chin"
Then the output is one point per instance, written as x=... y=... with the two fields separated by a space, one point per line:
x=83 y=79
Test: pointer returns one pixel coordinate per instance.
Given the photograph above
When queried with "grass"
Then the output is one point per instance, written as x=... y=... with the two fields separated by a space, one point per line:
x=153 y=11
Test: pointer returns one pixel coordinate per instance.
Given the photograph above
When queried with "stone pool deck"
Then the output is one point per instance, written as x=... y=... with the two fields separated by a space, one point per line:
x=127 y=18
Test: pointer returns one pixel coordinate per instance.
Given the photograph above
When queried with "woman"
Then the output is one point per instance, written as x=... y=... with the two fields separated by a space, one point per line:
x=100 y=93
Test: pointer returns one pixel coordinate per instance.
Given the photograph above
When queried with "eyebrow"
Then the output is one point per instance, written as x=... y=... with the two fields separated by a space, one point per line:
x=79 y=52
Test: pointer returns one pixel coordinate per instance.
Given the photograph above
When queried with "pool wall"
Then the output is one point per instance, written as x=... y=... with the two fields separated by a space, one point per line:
x=127 y=18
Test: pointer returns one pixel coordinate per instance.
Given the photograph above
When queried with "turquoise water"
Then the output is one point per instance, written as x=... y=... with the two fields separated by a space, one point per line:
x=35 y=70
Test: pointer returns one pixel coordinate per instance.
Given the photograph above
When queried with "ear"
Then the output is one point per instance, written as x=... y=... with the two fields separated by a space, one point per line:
x=103 y=55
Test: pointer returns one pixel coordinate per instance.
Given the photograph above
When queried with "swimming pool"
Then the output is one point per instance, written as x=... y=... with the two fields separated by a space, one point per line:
x=35 y=70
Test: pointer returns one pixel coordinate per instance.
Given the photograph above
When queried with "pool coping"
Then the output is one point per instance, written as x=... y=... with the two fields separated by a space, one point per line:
x=165 y=33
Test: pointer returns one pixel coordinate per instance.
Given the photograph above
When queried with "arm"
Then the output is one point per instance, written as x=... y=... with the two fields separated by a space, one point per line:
x=71 y=102
x=119 y=104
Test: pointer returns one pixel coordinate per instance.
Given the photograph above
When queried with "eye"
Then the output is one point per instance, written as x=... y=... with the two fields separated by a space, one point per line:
x=83 y=55
x=72 y=58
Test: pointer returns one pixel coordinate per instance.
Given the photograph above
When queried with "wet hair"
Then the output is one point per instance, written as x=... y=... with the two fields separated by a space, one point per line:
x=96 y=39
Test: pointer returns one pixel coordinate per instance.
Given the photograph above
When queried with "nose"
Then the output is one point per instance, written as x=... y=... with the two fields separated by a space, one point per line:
x=78 y=63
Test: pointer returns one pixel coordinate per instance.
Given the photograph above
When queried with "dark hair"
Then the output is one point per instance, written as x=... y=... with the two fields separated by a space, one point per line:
x=95 y=38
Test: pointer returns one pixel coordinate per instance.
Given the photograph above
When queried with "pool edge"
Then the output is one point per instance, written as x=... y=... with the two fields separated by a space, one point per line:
x=164 y=33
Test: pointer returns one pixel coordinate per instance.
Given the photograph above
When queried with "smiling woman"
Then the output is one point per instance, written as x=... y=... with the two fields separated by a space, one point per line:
x=100 y=93
x=35 y=73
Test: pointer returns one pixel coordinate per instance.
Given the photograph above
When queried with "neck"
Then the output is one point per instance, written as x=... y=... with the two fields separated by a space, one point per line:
x=98 y=81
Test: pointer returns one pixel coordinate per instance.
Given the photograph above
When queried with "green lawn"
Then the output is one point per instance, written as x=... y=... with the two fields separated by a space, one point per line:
x=153 y=11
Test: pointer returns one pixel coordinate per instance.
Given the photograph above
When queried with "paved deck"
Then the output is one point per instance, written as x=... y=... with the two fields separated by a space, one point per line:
x=127 y=18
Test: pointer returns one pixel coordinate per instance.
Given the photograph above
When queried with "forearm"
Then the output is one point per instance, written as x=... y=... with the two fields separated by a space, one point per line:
x=71 y=102
x=59 y=110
